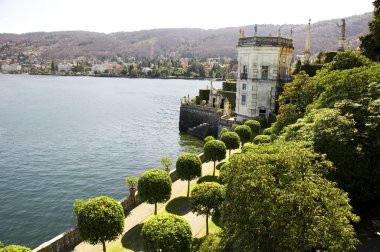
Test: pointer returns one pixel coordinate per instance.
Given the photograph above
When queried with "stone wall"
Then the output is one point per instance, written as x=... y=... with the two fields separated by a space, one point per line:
x=192 y=116
x=66 y=242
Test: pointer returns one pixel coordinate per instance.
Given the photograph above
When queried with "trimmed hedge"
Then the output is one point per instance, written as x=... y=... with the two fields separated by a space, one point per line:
x=262 y=139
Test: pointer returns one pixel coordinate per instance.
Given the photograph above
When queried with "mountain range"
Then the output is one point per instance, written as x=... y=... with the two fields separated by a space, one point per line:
x=174 y=43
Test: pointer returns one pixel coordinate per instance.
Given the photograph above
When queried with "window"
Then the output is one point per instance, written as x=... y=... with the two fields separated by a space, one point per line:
x=244 y=74
x=244 y=86
x=243 y=99
x=264 y=72
x=262 y=112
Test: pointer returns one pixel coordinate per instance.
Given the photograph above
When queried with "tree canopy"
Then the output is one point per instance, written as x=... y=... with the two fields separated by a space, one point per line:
x=370 y=43
x=214 y=150
x=277 y=199
x=188 y=167
x=99 y=220
x=254 y=126
x=15 y=248
x=231 y=140
x=244 y=132
x=206 y=199
x=166 y=232
x=155 y=186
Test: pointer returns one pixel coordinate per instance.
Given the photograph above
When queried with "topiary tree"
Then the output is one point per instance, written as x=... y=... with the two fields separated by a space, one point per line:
x=155 y=186
x=206 y=199
x=208 y=138
x=231 y=140
x=262 y=139
x=166 y=232
x=15 y=248
x=188 y=167
x=99 y=220
x=254 y=126
x=244 y=132
x=166 y=162
x=214 y=150
x=224 y=130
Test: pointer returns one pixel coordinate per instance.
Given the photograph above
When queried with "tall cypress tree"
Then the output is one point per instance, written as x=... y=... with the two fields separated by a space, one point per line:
x=371 y=42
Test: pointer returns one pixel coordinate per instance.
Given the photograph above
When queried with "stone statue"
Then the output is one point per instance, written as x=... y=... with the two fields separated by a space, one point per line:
x=342 y=28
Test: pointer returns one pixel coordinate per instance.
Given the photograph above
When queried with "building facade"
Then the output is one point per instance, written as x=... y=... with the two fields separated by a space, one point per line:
x=263 y=66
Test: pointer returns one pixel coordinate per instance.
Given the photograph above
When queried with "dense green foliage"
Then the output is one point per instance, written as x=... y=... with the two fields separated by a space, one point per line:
x=231 y=140
x=212 y=243
x=338 y=112
x=244 y=132
x=224 y=130
x=208 y=138
x=204 y=94
x=262 y=139
x=229 y=86
x=231 y=97
x=311 y=70
x=370 y=43
x=99 y=220
x=166 y=162
x=262 y=120
x=277 y=199
x=166 y=232
x=155 y=186
x=254 y=125
x=188 y=167
x=214 y=150
x=15 y=248
x=206 y=199
x=131 y=181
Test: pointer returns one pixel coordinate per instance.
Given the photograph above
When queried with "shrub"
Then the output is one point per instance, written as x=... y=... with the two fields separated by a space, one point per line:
x=268 y=131
x=131 y=181
x=219 y=112
x=203 y=102
x=224 y=130
x=15 y=248
x=248 y=147
x=166 y=232
x=231 y=140
x=155 y=186
x=188 y=167
x=262 y=120
x=166 y=162
x=208 y=138
x=214 y=150
x=254 y=125
x=206 y=199
x=212 y=243
x=262 y=139
x=99 y=220
x=244 y=132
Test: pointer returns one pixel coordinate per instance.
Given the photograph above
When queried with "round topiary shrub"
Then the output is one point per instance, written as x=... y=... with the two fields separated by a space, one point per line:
x=262 y=139
x=231 y=140
x=214 y=150
x=166 y=232
x=15 y=248
x=188 y=167
x=208 y=138
x=224 y=130
x=262 y=120
x=244 y=133
x=254 y=125
x=248 y=147
x=268 y=131
x=99 y=220
x=223 y=170
x=212 y=243
x=155 y=186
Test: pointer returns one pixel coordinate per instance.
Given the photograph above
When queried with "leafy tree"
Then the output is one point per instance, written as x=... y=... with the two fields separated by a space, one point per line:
x=347 y=60
x=188 y=167
x=297 y=67
x=214 y=150
x=254 y=125
x=166 y=162
x=155 y=186
x=244 y=132
x=166 y=232
x=208 y=138
x=212 y=243
x=262 y=139
x=224 y=130
x=15 y=248
x=99 y=220
x=370 y=43
x=231 y=140
x=277 y=199
x=206 y=199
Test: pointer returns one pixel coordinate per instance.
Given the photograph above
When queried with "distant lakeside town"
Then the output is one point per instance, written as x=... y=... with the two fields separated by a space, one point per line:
x=219 y=68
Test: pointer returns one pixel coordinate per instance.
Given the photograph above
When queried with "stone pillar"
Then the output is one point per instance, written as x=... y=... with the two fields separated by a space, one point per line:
x=307 y=45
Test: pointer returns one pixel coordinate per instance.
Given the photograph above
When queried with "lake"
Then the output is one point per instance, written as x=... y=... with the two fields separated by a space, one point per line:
x=63 y=138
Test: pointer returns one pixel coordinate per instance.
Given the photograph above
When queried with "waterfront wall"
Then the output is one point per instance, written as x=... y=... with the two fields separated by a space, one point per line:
x=67 y=241
x=199 y=121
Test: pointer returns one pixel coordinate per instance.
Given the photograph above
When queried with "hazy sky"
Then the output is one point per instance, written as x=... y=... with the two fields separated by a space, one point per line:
x=20 y=16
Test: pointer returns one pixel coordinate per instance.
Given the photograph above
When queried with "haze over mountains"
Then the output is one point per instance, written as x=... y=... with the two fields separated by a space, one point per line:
x=176 y=43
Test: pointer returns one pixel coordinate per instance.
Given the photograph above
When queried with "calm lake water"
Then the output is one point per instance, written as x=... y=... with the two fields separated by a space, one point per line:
x=63 y=138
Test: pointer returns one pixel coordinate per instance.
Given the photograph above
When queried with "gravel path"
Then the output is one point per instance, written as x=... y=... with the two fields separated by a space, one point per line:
x=144 y=210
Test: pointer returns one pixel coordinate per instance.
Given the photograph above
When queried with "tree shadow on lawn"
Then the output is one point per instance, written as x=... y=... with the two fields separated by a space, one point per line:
x=178 y=206
x=208 y=178
x=132 y=239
